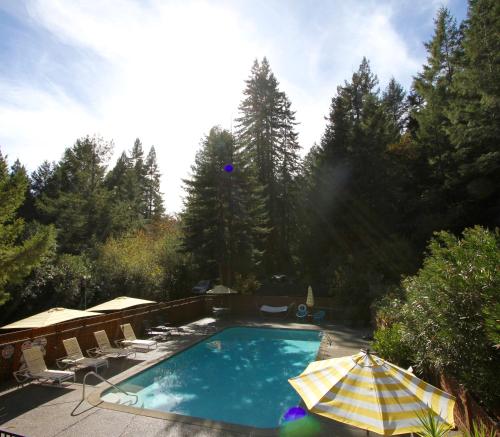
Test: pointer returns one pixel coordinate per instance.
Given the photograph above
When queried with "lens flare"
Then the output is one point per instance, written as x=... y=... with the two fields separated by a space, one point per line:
x=307 y=426
x=228 y=168
x=294 y=413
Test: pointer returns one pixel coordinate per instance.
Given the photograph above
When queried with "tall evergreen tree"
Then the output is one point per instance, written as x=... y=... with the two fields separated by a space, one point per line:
x=350 y=200
x=125 y=200
x=19 y=252
x=154 y=199
x=224 y=215
x=266 y=131
x=139 y=168
x=474 y=117
x=433 y=86
x=288 y=170
x=396 y=107
x=78 y=206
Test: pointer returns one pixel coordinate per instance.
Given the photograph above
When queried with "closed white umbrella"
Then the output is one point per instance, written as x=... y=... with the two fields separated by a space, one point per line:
x=310 y=297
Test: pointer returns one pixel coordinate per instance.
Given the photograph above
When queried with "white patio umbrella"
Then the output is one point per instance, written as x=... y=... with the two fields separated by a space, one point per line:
x=120 y=303
x=49 y=317
x=221 y=289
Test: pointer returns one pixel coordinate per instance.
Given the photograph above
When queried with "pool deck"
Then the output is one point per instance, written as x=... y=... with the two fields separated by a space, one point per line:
x=39 y=411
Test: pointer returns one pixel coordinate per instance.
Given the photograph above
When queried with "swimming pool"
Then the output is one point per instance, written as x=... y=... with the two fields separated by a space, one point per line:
x=239 y=376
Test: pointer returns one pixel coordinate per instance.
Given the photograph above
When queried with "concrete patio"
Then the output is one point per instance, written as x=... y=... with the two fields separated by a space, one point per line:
x=40 y=411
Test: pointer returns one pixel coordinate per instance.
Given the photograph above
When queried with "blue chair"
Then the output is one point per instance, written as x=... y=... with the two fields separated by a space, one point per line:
x=318 y=316
x=301 y=311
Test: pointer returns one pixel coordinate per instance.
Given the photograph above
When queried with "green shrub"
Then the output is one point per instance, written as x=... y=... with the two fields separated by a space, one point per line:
x=246 y=284
x=391 y=346
x=451 y=305
x=480 y=430
x=145 y=263
x=387 y=310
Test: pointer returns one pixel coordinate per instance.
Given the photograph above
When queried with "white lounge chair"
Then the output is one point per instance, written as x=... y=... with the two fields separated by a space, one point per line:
x=132 y=340
x=268 y=310
x=36 y=369
x=104 y=347
x=76 y=359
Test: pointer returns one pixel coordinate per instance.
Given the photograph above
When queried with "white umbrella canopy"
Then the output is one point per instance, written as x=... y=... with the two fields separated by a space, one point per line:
x=221 y=289
x=120 y=303
x=49 y=317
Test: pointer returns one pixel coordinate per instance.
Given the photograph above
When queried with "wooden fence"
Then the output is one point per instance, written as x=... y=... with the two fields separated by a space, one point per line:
x=50 y=338
x=467 y=410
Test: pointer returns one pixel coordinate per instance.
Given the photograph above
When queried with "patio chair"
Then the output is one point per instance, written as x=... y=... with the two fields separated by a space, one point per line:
x=75 y=358
x=36 y=369
x=318 y=316
x=132 y=340
x=104 y=347
x=268 y=310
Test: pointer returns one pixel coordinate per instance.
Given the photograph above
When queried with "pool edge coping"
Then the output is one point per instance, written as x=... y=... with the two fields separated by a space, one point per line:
x=95 y=397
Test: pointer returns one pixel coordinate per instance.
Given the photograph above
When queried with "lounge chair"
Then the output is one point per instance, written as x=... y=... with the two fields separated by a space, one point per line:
x=104 y=347
x=36 y=369
x=267 y=310
x=132 y=340
x=76 y=359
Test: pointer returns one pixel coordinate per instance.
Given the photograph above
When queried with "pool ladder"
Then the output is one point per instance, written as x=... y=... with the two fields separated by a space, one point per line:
x=110 y=383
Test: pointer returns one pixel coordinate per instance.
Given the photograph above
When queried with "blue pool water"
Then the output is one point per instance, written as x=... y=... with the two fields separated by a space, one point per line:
x=239 y=375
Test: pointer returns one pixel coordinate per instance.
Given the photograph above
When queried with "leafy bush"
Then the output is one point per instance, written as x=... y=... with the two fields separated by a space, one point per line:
x=387 y=310
x=59 y=281
x=480 y=430
x=246 y=284
x=390 y=345
x=144 y=263
x=452 y=304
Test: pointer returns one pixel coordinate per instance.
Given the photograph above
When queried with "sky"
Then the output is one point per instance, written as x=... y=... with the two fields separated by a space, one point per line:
x=167 y=71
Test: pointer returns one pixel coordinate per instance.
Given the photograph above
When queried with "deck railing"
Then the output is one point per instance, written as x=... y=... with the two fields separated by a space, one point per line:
x=9 y=434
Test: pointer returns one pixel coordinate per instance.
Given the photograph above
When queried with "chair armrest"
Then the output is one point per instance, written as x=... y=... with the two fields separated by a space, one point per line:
x=119 y=343
x=21 y=376
x=64 y=362
x=94 y=352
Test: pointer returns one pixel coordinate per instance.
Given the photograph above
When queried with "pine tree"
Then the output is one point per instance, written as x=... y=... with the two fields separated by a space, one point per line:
x=154 y=199
x=139 y=168
x=474 y=117
x=125 y=208
x=78 y=204
x=18 y=254
x=266 y=132
x=349 y=195
x=288 y=170
x=396 y=107
x=434 y=88
x=223 y=218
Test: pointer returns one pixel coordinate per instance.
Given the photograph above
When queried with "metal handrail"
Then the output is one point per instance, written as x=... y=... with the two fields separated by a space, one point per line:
x=110 y=383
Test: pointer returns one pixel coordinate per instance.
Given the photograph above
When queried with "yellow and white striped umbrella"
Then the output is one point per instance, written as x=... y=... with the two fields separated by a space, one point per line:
x=370 y=393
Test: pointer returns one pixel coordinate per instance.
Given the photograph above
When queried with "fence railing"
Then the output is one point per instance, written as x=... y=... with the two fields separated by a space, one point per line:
x=9 y=434
x=49 y=338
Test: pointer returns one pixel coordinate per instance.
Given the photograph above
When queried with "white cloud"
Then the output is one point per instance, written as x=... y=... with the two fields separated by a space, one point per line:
x=168 y=71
